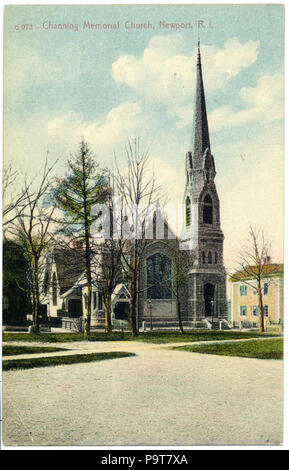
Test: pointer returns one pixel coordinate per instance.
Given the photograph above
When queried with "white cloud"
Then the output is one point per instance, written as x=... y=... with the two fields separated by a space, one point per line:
x=236 y=56
x=103 y=135
x=68 y=127
x=120 y=123
x=164 y=73
x=263 y=103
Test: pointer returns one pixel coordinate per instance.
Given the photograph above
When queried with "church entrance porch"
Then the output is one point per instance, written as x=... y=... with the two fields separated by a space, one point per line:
x=74 y=308
x=209 y=291
x=121 y=311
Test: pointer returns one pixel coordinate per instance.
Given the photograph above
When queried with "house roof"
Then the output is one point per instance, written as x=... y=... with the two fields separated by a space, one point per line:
x=70 y=264
x=269 y=270
x=118 y=290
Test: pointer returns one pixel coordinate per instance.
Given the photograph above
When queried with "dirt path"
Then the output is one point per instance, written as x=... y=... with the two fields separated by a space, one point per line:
x=159 y=397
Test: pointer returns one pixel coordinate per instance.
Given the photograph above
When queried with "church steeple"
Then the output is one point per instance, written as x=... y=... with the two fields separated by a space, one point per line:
x=201 y=139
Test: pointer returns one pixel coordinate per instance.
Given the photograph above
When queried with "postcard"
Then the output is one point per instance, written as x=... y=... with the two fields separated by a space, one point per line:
x=143 y=219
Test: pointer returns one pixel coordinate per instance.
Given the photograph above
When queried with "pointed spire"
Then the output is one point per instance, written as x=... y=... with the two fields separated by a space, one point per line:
x=201 y=129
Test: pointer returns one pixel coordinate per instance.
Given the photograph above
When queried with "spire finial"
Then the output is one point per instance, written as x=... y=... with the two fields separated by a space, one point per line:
x=199 y=52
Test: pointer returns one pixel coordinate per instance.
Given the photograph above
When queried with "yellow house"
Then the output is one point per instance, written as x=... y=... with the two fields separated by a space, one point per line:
x=244 y=298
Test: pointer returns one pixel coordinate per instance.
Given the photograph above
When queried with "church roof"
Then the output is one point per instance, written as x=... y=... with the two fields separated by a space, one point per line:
x=201 y=128
x=269 y=270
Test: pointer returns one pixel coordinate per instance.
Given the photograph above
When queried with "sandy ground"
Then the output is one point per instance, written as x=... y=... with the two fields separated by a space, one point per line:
x=160 y=397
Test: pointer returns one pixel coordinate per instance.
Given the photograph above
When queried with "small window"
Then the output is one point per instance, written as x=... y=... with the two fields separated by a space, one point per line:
x=266 y=311
x=255 y=310
x=100 y=303
x=204 y=257
x=208 y=210
x=216 y=257
x=94 y=300
x=210 y=258
x=243 y=310
x=266 y=288
x=243 y=290
x=188 y=212
x=254 y=291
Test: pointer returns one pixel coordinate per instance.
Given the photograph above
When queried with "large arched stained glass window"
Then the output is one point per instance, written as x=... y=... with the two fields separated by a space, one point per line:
x=159 y=277
x=208 y=210
x=188 y=212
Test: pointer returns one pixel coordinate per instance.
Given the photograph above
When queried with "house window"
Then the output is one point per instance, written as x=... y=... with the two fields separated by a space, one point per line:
x=94 y=300
x=243 y=290
x=255 y=310
x=54 y=290
x=100 y=302
x=188 y=212
x=204 y=257
x=208 y=210
x=85 y=300
x=45 y=283
x=266 y=311
x=254 y=291
x=266 y=288
x=159 y=277
x=243 y=310
x=216 y=257
x=210 y=258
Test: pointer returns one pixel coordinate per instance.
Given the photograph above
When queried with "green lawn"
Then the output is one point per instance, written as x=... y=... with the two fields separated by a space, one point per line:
x=261 y=349
x=150 y=337
x=163 y=337
x=10 y=350
x=61 y=337
x=16 y=364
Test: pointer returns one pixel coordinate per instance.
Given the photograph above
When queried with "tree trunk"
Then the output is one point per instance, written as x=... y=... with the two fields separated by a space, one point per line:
x=107 y=314
x=133 y=305
x=88 y=310
x=261 y=315
x=36 y=301
x=87 y=252
x=180 y=316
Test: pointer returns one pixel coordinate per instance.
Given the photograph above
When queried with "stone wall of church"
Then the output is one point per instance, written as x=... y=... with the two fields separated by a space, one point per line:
x=159 y=309
x=198 y=278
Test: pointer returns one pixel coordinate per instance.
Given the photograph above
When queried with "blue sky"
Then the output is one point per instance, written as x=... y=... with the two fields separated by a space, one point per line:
x=111 y=84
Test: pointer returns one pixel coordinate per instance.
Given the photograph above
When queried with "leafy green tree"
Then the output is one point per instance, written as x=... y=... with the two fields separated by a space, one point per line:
x=16 y=286
x=83 y=187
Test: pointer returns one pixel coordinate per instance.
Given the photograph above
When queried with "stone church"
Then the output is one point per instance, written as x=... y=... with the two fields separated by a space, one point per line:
x=200 y=297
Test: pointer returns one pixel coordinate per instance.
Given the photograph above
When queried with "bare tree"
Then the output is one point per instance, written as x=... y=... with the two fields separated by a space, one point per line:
x=15 y=201
x=180 y=264
x=254 y=259
x=31 y=227
x=106 y=262
x=137 y=191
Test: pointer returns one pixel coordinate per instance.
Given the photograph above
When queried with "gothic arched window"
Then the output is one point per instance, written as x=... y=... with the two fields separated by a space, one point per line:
x=208 y=210
x=216 y=257
x=204 y=257
x=188 y=212
x=54 y=289
x=210 y=258
x=159 y=277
